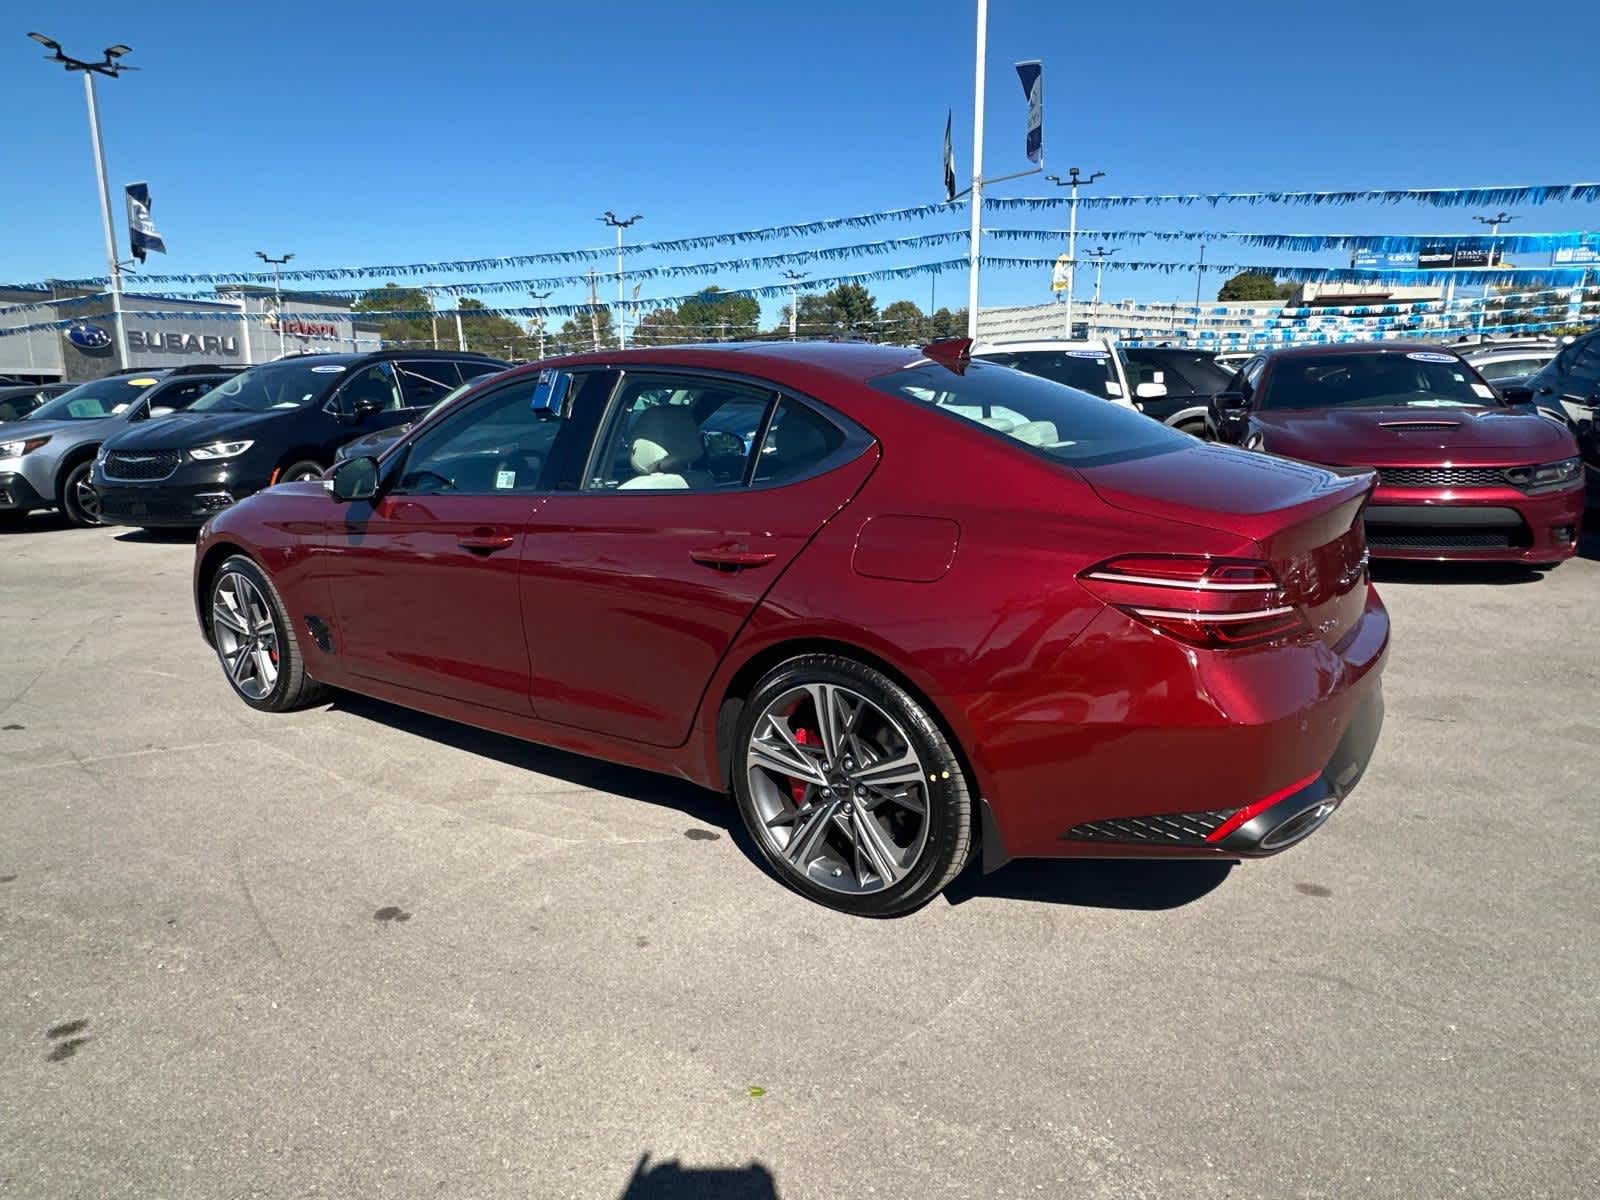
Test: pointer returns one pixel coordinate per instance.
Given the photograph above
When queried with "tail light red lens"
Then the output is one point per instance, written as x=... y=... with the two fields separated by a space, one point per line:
x=1217 y=603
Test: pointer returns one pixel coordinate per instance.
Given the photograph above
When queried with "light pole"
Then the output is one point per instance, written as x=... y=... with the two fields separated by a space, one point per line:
x=1500 y=218
x=538 y=322
x=619 y=225
x=1099 y=254
x=111 y=68
x=277 y=289
x=794 y=278
x=1073 y=181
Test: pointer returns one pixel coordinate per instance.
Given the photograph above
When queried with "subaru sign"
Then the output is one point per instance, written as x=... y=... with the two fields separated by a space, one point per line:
x=91 y=338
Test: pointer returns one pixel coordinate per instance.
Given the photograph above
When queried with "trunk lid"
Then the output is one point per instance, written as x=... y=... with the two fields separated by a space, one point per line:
x=1304 y=521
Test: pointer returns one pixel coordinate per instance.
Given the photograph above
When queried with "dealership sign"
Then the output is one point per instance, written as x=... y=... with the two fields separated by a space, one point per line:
x=307 y=329
x=1585 y=254
x=1439 y=256
x=91 y=338
x=1384 y=260
x=183 y=343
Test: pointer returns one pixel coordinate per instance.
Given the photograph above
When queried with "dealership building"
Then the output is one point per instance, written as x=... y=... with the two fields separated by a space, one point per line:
x=241 y=325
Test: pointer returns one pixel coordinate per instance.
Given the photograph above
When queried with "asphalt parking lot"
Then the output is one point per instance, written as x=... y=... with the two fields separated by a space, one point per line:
x=359 y=952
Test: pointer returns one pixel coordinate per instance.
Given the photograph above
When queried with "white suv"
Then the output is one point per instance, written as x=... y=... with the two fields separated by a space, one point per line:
x=1090 y=366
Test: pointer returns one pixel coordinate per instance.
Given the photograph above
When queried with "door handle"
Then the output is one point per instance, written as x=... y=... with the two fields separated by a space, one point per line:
x=727 y=558
x=485 y=541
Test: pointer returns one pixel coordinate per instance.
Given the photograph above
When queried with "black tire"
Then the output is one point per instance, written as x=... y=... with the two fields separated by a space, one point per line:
x=949 y=838
x=1196 y=427
x=304 y=469
x=293 y=688
x=76 y=497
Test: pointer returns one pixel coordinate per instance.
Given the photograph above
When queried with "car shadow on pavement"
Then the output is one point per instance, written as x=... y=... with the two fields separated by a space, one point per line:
x=36 y=522
x=1457 y=573
x=1129 y=883
x=671 y=1180
x=661 y=790
x=169 y=537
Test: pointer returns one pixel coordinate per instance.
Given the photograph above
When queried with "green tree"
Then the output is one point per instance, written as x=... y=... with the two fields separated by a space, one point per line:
x=1254 y=285
x=714 y=315
x=904 y=323
x=391 y=297
x=849 y=310
x=490 y=333
x=578 y=333
x=945 y=323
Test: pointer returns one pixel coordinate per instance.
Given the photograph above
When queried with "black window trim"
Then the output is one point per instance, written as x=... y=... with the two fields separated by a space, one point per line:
x=856 y=439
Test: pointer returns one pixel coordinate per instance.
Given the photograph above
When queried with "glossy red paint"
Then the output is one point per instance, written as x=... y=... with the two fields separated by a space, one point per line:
x=606 y=625
x=1409 y=447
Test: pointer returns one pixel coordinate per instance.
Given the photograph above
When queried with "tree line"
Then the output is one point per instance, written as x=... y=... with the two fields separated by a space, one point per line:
x=713 y=315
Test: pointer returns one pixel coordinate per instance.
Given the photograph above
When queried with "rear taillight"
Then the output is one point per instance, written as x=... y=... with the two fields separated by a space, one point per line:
x=1218 y=603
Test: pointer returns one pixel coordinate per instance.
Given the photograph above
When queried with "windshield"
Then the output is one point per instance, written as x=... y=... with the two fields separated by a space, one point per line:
x=94 y=401
x=275 y=385
x=1059 y=422
x=1087 y=370
x=1377 y=379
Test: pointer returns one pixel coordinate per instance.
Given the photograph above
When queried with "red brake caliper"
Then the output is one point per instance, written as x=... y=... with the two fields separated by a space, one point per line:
x=797 y=788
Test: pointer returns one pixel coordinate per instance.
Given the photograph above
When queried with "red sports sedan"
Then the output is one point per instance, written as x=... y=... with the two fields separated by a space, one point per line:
x=1461 y=474
x=906 y=607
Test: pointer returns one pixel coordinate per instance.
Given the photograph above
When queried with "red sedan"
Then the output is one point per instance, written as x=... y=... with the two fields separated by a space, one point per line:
x=907 y=607
x=1461 y=474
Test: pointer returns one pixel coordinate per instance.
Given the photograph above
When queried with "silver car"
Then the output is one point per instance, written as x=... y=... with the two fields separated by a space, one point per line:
x=46 y=457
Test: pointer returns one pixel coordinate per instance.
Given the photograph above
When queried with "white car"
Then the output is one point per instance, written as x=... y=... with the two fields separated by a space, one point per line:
x=1509 y=363
x=1091 y=366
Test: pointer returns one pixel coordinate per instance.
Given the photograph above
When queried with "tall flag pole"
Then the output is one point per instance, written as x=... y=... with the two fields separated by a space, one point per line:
x=973 y=248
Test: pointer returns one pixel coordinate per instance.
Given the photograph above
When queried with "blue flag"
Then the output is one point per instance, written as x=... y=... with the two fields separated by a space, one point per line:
x=1032 y=75
x=142 y=233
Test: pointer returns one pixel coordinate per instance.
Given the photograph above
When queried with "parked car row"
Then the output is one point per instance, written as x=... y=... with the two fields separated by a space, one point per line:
x=1466 y=470
x=170 y=447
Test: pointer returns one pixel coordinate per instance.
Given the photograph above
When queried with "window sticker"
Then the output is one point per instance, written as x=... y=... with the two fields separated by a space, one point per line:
x=1430 y=356
x=1484 y=390
x=505 y=479
x=142 y=382
x=1087 y=354
x=327 y=369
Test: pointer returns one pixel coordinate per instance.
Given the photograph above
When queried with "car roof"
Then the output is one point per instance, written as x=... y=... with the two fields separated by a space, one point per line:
x=1297 y=352
x=387 y=356
x=855 y=361
x=1026 y=344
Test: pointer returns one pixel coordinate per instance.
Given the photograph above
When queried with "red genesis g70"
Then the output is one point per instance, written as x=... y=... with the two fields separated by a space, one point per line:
x=1461 y=474
x=905 y=606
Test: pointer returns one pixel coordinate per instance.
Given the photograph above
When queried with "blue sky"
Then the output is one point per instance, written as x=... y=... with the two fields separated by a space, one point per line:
x=361 y=133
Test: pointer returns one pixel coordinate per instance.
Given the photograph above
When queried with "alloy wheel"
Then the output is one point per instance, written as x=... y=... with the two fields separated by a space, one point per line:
x=86 y=499
x=246 y=637
x=840 y=790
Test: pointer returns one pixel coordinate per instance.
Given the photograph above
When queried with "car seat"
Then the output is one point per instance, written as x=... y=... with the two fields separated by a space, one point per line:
x=665 y=448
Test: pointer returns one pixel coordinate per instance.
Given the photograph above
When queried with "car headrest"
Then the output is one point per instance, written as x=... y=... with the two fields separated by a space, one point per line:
x=665 y=440
x=797 y=438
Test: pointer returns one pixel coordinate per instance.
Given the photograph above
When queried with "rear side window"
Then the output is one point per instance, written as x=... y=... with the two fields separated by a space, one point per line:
x=798 y=441
x=1058 y=422
x=678 y=433
x=425 y=382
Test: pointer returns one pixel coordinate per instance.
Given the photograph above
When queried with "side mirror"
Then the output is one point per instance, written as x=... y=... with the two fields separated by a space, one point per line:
x=1150 y=391
x=353 y=479
x=161 y=410
x=1233 y=402
x=1519 y=394
x=366 y=406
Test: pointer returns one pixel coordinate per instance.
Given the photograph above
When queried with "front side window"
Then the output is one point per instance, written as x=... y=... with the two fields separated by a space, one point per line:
x=178 y=396
x=92 y=401
x=280 y=385
x=495 y=447
x=1089 y=371
x=372 y=389
x=1059 y=422
x=679 y=433
x=1377 y=379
